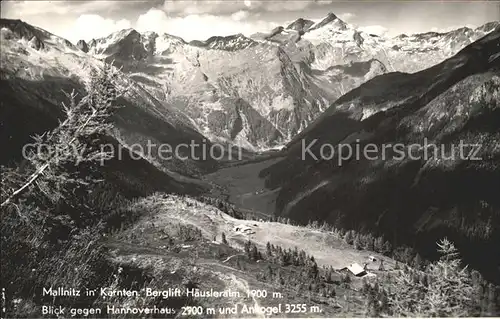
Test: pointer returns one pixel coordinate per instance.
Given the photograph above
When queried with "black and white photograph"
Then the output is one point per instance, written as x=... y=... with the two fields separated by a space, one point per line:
x=250 y=159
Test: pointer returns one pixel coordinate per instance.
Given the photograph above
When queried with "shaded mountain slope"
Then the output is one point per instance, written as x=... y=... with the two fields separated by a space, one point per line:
x=33 y=83
x=417 y=201
x=288 y=76
x=26 y=111
x=300 y=25
x=21 y=30
x=200 y=78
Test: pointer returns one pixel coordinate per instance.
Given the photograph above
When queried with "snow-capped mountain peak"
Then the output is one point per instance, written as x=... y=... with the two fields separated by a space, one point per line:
x=36 y=38
x=281 y=80
x=300 y=25
x=330 y=19
x=228 y=43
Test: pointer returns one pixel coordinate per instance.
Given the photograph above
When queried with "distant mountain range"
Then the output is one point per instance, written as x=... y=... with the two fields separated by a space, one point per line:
x=326 y=81
x=258 y=91
x=284 y=79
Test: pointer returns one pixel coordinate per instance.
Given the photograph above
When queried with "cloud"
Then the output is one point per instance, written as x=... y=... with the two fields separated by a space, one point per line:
x=228 y=7
x=28 y=8
x=374 y=29
x=347 y=16
x=189 y=7
x=451 y=28
x=240 y=15
x=278 y=6
x=34 y=8
x=199 y=26
x=89 y=26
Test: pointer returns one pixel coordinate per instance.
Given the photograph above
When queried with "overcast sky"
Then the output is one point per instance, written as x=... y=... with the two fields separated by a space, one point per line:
x=201 y=19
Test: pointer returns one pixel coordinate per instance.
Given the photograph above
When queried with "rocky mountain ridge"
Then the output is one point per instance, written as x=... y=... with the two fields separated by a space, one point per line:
x=287 y=77
x=35 y=77
x=455 y=102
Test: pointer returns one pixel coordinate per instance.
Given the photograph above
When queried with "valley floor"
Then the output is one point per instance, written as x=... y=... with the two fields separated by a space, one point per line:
x=244 y=188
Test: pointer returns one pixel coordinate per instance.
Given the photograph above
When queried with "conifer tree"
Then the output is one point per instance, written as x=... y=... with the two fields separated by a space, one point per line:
x=379 y=244
x=51 y=191
x=447 y=293
x=357 y=242
x=328 y=277
x=248 y=246
x=269 y=251
x=387 y=248
x=417 y=262
x=349 y=237
x=254 y=253
x=381 y=266
x=45 y=175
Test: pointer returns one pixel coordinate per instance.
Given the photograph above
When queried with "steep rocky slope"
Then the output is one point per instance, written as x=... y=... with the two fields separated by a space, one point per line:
x=33 y=80
x=286 y=78
x=412 y=200
x=203 y=79
x=331 y=42
x=227 y=43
